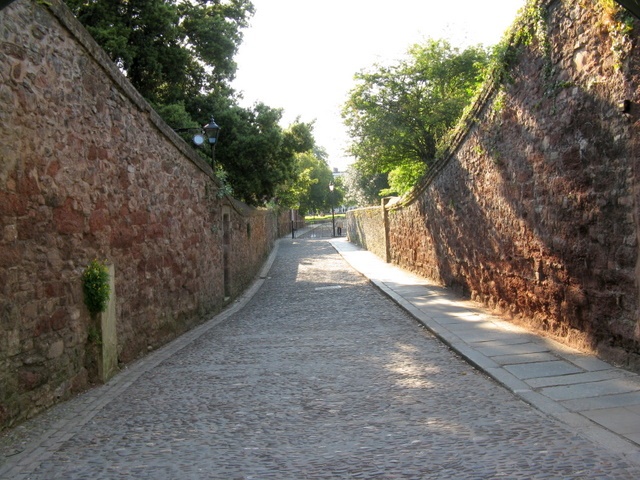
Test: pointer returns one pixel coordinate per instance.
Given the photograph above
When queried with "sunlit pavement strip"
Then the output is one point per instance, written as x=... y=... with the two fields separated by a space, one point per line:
x=598 y=399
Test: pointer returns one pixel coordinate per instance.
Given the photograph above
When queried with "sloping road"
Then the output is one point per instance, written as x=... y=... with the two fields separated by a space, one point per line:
x=318 y=376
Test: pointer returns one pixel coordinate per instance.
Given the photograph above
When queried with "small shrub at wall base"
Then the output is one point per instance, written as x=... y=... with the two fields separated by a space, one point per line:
x=96 y=287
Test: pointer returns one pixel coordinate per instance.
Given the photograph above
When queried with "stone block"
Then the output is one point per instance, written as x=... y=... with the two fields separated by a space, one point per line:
x=12 y=204
x=56 y=349
x=67 y=219
x=30 y=380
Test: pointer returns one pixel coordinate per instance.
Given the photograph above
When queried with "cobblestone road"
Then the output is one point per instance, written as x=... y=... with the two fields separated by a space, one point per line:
x=319 y=376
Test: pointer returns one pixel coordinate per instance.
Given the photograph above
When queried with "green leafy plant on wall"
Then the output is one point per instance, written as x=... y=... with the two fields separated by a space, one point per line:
x=95 y=284
x=619 y=24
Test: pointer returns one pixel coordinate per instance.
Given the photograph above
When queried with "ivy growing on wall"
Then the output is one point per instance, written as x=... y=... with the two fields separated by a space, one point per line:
x=531 y=24
x=619 y=24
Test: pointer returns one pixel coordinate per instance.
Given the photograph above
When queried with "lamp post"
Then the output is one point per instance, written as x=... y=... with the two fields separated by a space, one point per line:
x=212 y=130
x=208 y=133
x=333 y=217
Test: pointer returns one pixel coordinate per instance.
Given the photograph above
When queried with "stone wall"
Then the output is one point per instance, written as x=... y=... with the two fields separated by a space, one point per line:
x=366 y=228
x=89 y=171
x=535 y=210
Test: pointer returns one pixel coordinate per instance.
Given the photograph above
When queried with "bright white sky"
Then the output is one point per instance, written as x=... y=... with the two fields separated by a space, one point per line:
x=301 y=55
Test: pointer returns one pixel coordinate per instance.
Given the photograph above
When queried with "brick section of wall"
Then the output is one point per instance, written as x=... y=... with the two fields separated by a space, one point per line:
x=88 y=170
x=536 y=211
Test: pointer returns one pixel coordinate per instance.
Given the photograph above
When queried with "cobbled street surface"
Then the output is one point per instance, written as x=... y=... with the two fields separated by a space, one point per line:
x=321 y=376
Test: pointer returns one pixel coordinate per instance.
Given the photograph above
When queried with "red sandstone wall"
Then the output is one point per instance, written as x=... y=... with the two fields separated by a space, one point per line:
x=536 y=212
x=89 y=171
x=365 y=227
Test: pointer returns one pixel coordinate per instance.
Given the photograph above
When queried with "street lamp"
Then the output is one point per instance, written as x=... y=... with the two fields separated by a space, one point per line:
x=333 y=217
x=208 y=133
x=212 y=130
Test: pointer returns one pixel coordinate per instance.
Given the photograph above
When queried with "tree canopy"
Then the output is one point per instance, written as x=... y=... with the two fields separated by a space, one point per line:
x=170 y=50
x=317 y=196
x=397 y=114
x=258 y=155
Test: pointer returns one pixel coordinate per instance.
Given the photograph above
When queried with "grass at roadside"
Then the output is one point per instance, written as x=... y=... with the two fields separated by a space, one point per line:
x=321 y=218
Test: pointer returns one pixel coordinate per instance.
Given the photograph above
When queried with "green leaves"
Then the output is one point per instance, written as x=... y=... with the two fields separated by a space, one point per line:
x=316 y=196
x=171 y=51
x=95 y=285
x=258 y=155
x=397 y=114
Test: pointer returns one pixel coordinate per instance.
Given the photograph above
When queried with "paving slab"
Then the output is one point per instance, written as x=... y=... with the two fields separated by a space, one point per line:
x=592 y=389
x=480 y=329
x=525 y=371
x=523 y=358
x=412 y=291
x=507 y=340
x=589 y=363
x=617 y=419
x=585 y=404
x=585 y=377
x=441 y=318
x=510 y=349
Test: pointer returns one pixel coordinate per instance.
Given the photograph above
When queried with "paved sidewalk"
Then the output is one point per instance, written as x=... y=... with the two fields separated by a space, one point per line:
x=592 y=396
